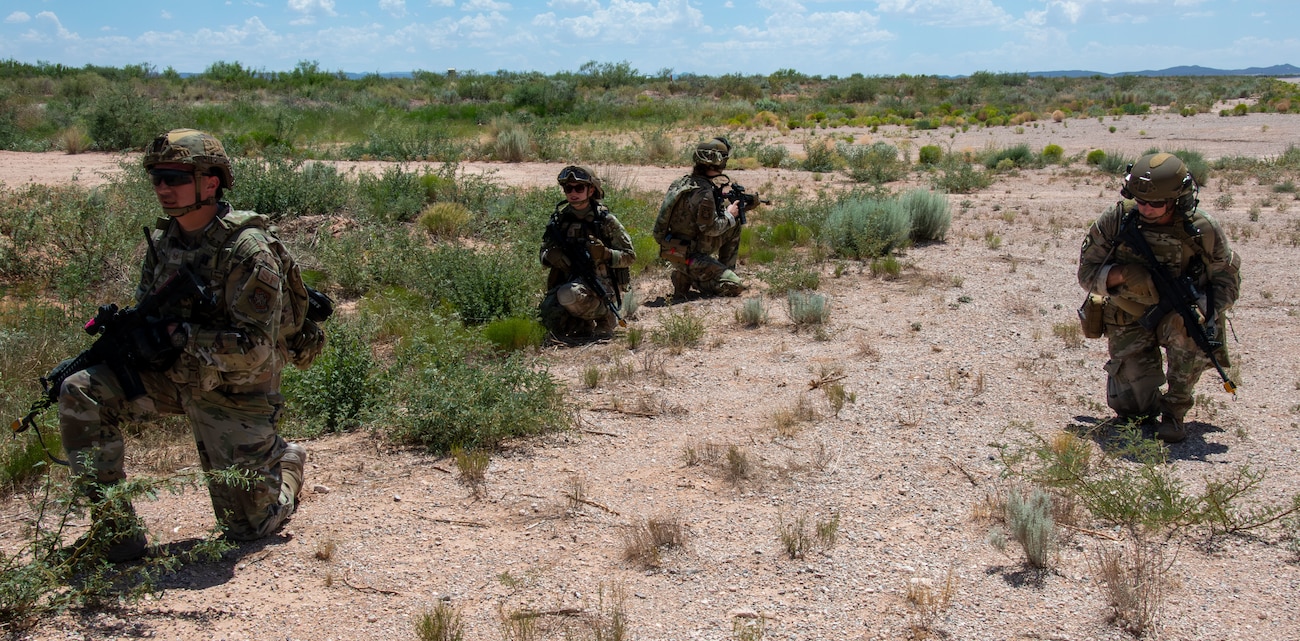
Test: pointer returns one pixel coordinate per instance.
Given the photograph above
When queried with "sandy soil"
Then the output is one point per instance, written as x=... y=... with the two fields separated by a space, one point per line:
x=942 y=363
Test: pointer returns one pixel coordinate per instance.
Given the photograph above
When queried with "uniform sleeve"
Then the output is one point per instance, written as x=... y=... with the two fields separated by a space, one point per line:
x=619 y=243
x=708 y=220
x=1224 y=269
x=242 y=346
x=547 y=245
x=1096 y=249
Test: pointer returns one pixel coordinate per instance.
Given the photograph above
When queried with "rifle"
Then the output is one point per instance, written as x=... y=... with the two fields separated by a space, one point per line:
x=744 y=201
x=1178 y=295
x=129 y=341
x=584 y=267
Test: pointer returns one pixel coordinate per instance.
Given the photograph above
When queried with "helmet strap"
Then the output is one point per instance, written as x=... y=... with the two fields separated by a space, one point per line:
x=199 y=202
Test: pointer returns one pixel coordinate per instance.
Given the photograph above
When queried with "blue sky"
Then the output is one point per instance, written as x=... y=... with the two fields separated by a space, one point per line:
x=822 y=37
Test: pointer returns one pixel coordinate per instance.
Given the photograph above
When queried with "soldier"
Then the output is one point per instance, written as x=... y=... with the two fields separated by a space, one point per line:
x=222 y=369
x=1160 y=199
x=589 y=253
x=693 y=226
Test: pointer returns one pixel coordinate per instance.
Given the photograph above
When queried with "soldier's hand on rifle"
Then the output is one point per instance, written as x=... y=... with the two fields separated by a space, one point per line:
x=556 y=258
x=733 y=209
x=599 y=253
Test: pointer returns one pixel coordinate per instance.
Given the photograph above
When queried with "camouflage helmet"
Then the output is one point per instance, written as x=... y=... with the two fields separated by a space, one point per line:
x=1158 y=178
x=191 y=147
x=581 y=175
x=712 y=153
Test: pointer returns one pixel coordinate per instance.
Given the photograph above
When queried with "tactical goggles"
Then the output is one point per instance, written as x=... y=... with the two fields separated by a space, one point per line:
x=571 y=188
x=574 y=174
x=170 y=177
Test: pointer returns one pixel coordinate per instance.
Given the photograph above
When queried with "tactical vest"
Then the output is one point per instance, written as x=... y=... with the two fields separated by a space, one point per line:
x=1175 y=246
x=298 y=338
x=571 y=229
x=670 y=223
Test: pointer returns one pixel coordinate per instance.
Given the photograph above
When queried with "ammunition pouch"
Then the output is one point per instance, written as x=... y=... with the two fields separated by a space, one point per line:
x=674 y=250
x=1090 y=316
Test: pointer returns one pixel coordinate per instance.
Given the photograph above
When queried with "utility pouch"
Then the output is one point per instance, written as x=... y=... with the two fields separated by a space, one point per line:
x=1090 y=316
x=674 y=250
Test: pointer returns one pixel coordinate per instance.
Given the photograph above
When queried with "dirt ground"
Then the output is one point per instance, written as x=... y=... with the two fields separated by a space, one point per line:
x=958 y=354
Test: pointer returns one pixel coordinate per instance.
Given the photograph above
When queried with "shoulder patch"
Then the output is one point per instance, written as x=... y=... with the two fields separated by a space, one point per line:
x=267 y=276
x=260 y=300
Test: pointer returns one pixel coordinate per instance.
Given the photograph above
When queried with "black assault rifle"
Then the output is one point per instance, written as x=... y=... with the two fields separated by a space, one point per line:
x=1176 y=295
x=129 y=341
x=744 y=201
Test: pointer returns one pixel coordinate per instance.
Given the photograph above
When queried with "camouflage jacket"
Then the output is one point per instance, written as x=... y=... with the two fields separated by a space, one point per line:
x=236 y=346
x=568 y=227
x=690 y=212
x=1199 y=249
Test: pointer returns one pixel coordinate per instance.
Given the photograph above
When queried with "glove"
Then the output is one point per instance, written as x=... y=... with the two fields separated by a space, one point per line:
x=1137 y=286
x=599 y=253
x=556 y=258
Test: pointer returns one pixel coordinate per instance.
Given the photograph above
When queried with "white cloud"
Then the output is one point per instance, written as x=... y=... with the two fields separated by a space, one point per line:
x=442 y=3
x=395 y=8
x=630 y=22
x=574 y=5
x=17 y=17
x=309 y=9
x=948 y=13
x=166 y=15
x=485 y=6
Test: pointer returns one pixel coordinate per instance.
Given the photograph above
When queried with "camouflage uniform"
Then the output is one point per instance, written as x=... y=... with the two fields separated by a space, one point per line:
x=226 y=380
x=690 y=218
x=1134 y=371
x=571 y=304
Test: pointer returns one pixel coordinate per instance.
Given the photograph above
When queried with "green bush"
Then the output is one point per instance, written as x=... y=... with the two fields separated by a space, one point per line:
x=483 y=285
x=818 y=156
x=1114 y=162
x=396 y=196
x=679 y=330
x=930 y=155
x=340 y=387
x=771 y=155
x=930 y=214
x=807 y=308
x=1016 y=156
x=790 y=275
x=1095 y=157
x=867 y=227
x=514 y=334
x=453 y=398
x=284 y=189
x=1031 y=524
x=876 y=163
x=958 y=177
x=445 y=220
x=1053 y=153
x=120 y=120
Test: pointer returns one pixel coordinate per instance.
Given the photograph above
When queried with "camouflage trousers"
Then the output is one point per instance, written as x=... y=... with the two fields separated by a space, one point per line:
x=706 y=274
x=1135 y=371
x=569 y=309
x=230 y=430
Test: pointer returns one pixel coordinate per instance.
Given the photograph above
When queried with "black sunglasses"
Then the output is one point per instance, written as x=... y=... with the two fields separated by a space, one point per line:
x=572 y=188
x=575 y=174
x=1158 y=204
x=170 y=177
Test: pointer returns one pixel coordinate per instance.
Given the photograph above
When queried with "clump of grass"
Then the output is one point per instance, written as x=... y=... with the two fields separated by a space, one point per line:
x=752 y=313
x=472 y=467
x=738 y=466
x=1070 y=333
x=886 y=267
x=679 y=330
x=700 y=453
x=591 y=376
x=807 y=308
x=634 y=336
x=1133 y=579
x=797 y=539
x=928 y=602
x=515 y=333
x=443 y=623
x=1031 y=524
x=444 y=219
x=645 y=542
x=325 y=549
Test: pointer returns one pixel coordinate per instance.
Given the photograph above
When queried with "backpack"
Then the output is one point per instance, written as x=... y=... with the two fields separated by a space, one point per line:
x=301 y=335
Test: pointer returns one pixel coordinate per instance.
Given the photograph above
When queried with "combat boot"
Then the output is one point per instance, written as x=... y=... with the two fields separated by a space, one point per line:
x=681 y=285
x=293 y=464
x=1171 y=430
x=605 y=327
x=117 y=532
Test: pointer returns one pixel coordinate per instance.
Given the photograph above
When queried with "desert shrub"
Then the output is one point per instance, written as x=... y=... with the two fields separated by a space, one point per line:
x=1095 y=157
x=1031 y=524
x=443 y=623
x=479 y=285
x=679 y=330
x=807 y=308
x=1114 y=162
x=511 y=141
x=1196 y=164
x=119 y=120
x=875 y=163
x=395 y=196
x=283 y=189
x=929 y=212
x=886 y=267
x=1053 y=153
x=930 y=155
x=786 y=276
x=819 y=155
x=395 y=141
x=752 y=313
x=452 y=396
x=340 y=387
x=1015 y=156
x=867 y=227
x=959 y=177
x=514 y=334
x=771 y=155
x=445 y=220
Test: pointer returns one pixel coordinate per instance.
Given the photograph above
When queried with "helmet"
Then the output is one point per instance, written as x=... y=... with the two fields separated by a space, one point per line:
x=713 y=153
x=1159 y=177
x=581 y=175
x=191 y=147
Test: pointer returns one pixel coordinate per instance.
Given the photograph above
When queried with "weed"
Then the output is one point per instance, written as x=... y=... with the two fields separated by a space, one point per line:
x=700 y=452
x=806 y=308
x=591 y=376
x=635 y=336
x=1070 y=333
x=1030 y=522
x=577 y=492
x=325 y=549
x=798 y=540
x=341 y=386
x=679 y=330
x=1134 y=581
x=443 y=623
x=886 y=267
x=748 y=628
x=738 y=466
x=645 y=542
x=992 y=240
x=445 y=220
x=752 y=313
x=472 y=466
x=928 y=602
x=514 y=334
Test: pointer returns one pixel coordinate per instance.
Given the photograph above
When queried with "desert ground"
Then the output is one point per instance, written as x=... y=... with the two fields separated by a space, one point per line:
x=958 y=354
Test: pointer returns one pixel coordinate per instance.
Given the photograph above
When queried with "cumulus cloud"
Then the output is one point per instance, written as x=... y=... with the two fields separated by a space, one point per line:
x=395 y=8
x=948 y=13
x=17 y=17
x=630 y=22
x=309 y=9
x=442 y=3
x=484 y=6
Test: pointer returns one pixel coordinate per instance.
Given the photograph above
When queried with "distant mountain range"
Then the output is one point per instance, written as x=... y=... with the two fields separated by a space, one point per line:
x=1281 y=71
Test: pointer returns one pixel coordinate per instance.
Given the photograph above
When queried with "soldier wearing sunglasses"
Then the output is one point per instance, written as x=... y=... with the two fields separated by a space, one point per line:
x=1151 y=239
x=588 y=253
x=698 y=233
x=224 y=357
